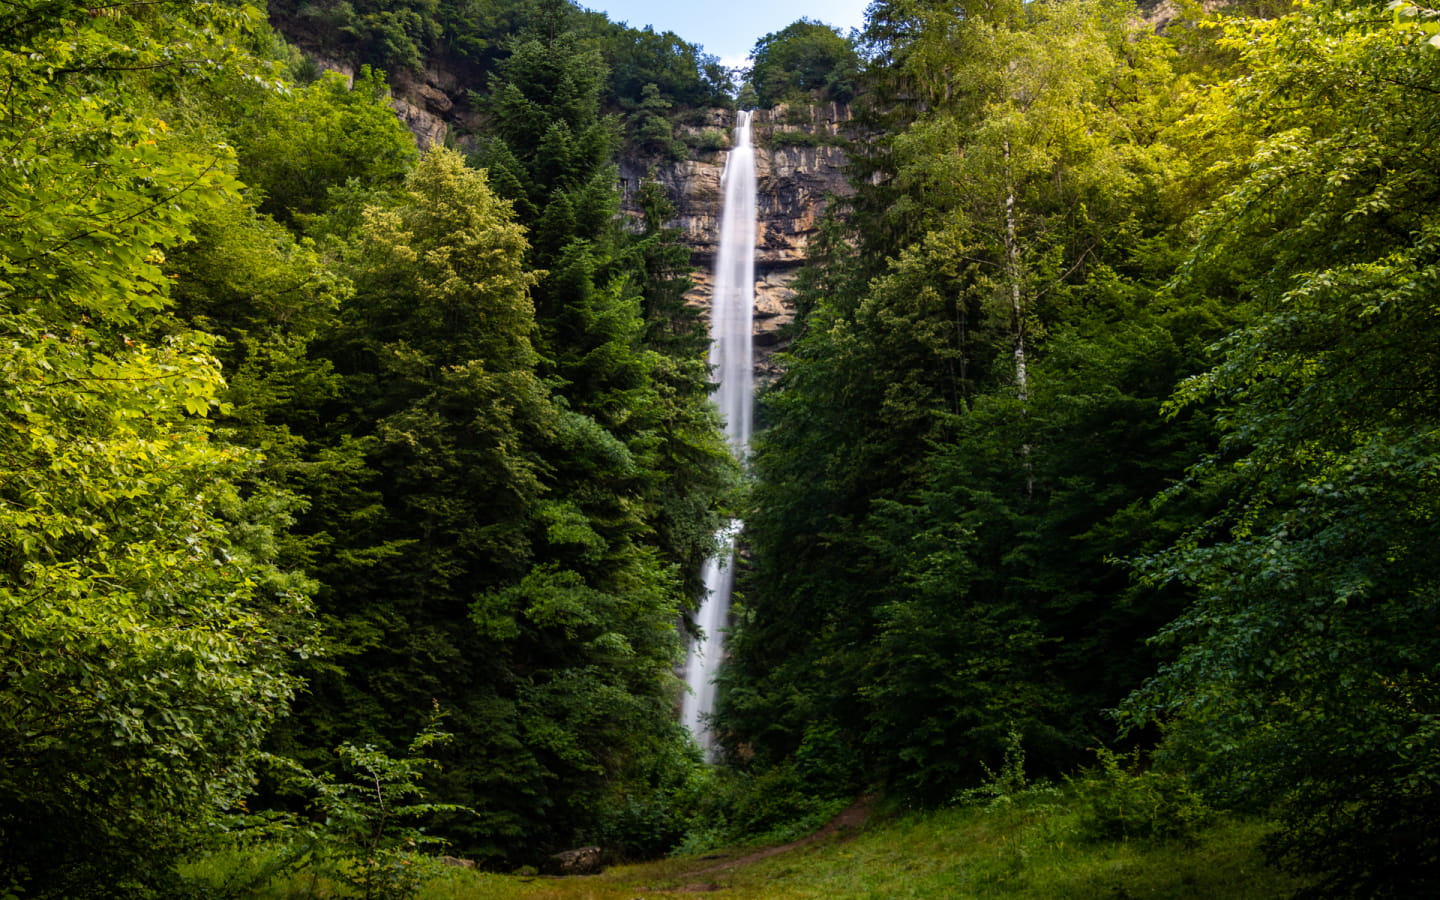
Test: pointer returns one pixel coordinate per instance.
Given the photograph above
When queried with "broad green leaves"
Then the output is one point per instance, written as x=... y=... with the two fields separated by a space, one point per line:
x=1413 y=16
x=304 y=142
x=1317 y=584
x=965 y=428
x=143 y=658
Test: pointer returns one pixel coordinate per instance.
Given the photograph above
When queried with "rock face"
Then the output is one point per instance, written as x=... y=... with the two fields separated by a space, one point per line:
x=799 y=166
x=799 y=162
x=429 y=129
x=425 y=103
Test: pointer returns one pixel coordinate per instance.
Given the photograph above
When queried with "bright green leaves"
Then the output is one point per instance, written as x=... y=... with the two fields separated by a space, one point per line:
x=143 y=659
x=1412 y=16
x=506 y=539
x=444 y=271
x=307 y=141
x=87 y=220
x=1317 y=587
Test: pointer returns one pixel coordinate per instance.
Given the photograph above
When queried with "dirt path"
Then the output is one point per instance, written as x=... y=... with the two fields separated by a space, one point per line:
x=843 y=827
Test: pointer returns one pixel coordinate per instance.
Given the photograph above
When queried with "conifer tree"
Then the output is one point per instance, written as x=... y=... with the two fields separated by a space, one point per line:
x=918 y=500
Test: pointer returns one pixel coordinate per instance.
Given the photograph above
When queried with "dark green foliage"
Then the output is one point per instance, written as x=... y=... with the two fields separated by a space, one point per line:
x=439 y=372
x=613 y=325
x=394 y=34
x=652 y=132
x=803 y=62
x=802 y=139
x=473 y=39
x=1306 y=675
x=367 y=824
x=258 y=349
x=680 y=71
x=530 y=483
x=968 y=428
x=777 y=805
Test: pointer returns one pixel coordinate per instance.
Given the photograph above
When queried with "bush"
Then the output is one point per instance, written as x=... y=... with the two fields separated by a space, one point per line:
x=369 y=823
x=1119 y=800
x=777 y=805
x=710 y=140
x=655 y=815
x=1009 y=786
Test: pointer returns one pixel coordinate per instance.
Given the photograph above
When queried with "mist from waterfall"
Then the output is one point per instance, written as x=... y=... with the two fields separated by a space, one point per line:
x=732 y=365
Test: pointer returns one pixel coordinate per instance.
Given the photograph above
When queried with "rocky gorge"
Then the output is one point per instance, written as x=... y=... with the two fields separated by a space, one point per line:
x=800 y=164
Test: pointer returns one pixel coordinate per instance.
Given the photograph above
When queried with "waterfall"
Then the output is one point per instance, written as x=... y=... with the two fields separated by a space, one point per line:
x=732 y=304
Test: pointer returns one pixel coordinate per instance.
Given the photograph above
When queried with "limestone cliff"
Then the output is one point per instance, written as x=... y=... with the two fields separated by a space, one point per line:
x=799 y=163
x=800 y=168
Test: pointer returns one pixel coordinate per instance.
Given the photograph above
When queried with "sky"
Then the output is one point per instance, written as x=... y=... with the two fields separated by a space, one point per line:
x=729 y=28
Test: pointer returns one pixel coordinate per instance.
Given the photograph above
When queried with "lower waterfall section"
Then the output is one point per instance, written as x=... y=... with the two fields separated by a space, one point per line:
x=703 y=661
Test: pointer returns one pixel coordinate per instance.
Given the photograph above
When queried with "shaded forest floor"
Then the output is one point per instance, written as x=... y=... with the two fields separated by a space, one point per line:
x=1005 y=850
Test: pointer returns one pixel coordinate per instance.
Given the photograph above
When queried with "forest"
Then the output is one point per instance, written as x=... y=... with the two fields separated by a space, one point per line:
x=354 y=496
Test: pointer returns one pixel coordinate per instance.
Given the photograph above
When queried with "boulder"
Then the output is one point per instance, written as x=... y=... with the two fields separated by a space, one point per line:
x=457 y=862
x=583 y=861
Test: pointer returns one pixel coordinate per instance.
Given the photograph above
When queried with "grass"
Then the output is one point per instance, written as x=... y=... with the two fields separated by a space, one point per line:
x=1027 y=848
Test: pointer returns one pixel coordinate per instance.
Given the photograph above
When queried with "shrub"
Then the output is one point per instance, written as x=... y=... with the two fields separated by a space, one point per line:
x=710 y=140
x=1120 y=800
x=1008 y=786
x=774 y=806
x=369 y=822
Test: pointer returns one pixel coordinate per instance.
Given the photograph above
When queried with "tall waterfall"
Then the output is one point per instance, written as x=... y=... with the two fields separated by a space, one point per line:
x=731 y=359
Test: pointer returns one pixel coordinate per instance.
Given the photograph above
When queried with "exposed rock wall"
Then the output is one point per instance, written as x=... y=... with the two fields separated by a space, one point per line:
x=799 y=163
x=798 y=174
x=425 y=102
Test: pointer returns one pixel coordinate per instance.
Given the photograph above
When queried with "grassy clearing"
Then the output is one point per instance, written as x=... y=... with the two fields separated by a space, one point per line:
x=1029 y=849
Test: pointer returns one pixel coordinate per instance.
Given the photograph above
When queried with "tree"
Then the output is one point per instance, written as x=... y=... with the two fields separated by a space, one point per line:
x=495 y=552
x=682 y=73
x=600 y=305
x=1306 y=680
x=654 y=135
x=299 y=145
x=396 y=34
x=804 y=61
x=441 y=397
x=934 y=500
x=146 y=639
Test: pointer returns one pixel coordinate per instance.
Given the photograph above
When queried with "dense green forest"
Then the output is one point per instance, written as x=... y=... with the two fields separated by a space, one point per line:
x=352 y=497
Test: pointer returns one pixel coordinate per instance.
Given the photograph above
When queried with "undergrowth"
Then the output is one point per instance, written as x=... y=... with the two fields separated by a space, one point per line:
x=1118 y=831
x=1037 y=842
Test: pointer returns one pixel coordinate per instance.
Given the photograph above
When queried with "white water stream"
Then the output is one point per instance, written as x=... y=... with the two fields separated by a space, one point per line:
x=732 y=362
